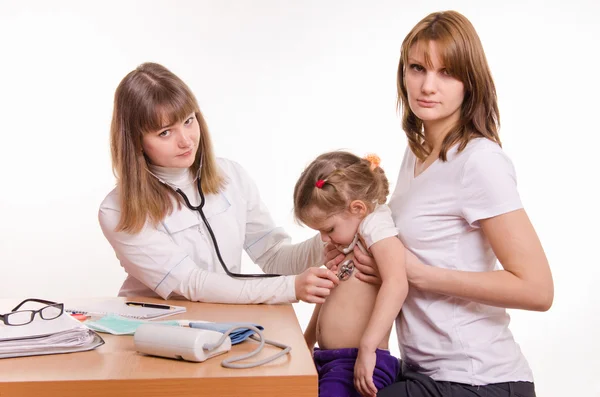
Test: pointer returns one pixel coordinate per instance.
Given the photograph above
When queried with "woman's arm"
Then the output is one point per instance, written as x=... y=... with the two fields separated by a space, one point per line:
x=268 y=245
x=312 y=286
x=525 y=283
x=165 y=268
x=287 y=258
x=489 y=199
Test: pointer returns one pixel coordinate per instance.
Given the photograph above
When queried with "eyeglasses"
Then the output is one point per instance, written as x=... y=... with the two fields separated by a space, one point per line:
x=22 y=317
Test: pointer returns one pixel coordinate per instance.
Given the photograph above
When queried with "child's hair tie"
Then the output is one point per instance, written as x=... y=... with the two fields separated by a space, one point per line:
x=320 y=183
x=374 y=160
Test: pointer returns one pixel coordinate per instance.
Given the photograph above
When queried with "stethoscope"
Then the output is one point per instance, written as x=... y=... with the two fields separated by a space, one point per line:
x=199 y=209
x=345 y=269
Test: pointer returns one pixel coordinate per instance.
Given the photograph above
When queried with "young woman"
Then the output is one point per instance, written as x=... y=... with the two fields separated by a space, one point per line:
x=457 y=210
x=162 y=156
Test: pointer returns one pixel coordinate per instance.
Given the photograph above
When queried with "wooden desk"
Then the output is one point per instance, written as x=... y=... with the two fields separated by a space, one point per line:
x=116 y=369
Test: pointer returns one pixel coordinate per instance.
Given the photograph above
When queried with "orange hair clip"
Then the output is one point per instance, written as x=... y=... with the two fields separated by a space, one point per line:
x=374 y=160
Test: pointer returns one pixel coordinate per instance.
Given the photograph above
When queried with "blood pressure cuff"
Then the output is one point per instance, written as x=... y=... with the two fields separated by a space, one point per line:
x=237 y=336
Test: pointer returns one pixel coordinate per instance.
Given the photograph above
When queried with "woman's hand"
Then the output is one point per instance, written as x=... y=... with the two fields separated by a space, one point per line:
x=315 y=284
x=333 y=257
x=363 y=373
x=367 y=268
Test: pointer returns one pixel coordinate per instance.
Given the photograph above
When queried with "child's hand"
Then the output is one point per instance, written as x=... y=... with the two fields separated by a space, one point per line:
x=363 y=373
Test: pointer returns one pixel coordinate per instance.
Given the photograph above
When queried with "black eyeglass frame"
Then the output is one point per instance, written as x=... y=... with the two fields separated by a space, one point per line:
x=5 y=317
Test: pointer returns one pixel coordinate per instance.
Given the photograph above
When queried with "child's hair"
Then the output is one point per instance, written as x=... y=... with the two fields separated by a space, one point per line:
x=333 y=180
x=463 y=57
x=146 y=99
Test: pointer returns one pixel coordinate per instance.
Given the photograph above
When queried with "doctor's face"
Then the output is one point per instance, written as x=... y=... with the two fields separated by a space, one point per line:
x=175 y=145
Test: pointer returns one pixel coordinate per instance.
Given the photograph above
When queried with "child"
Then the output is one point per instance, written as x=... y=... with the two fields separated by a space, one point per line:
x=342 y=196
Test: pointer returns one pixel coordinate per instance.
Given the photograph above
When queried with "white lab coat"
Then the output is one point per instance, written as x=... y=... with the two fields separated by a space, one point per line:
x=177 y=258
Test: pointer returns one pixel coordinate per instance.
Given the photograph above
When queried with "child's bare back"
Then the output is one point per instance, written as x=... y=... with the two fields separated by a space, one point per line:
x=345 y=314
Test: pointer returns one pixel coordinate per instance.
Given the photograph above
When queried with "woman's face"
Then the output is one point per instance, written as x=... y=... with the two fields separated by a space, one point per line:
x=433 y=95
x=173 y=146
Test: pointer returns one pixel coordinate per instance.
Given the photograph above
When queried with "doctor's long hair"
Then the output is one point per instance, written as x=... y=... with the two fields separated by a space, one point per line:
x=335 y=179
x=146 y=99
x=463 y=57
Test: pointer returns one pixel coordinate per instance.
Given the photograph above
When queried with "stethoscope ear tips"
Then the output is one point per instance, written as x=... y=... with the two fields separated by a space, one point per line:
x=349 y=248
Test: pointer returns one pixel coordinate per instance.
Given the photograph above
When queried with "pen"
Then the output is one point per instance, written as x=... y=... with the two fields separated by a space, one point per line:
x=150 y=305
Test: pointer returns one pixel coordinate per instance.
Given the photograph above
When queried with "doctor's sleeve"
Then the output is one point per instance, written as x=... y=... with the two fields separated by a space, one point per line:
x=155 y=260
x=204 y=286
x=270 y=246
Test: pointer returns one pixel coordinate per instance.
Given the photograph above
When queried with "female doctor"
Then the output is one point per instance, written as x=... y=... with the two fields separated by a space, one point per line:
x=163 y=160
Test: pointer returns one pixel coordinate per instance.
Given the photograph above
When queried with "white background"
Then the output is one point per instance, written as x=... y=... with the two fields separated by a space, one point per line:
x=280 y=82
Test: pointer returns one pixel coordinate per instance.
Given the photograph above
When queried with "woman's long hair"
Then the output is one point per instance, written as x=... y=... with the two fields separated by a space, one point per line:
x=463 y=57
x=146 y=99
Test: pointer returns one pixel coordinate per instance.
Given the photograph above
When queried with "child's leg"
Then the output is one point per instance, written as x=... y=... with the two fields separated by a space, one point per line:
x=387 y=368
x=338 y=384
x=336 y=372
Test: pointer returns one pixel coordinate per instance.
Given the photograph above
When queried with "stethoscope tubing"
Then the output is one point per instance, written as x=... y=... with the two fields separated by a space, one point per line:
x=198 y=208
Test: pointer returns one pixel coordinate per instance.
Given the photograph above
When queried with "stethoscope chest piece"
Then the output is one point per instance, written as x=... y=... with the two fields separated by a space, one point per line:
x=346 y=269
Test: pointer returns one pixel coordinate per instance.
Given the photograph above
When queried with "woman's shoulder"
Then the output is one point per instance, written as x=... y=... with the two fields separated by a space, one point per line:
x=109 y=212
x=483 y=144
x=111 y=201
x=229 y=167
x=234 y=172
x=483 y=160
x=477 y=150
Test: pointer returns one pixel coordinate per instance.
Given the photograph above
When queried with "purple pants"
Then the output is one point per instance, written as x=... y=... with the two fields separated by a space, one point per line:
x=336 y=371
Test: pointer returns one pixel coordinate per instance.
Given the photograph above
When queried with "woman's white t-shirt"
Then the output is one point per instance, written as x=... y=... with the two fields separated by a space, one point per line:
x=437 y=216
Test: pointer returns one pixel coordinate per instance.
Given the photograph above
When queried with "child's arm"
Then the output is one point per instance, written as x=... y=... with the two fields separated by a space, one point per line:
x=389 y=255
x=310 y=335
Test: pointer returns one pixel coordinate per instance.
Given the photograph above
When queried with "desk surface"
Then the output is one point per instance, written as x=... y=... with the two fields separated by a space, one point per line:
x=116 y=369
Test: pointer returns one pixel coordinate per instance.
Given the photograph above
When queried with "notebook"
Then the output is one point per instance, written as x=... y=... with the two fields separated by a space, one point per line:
x=139 y=310
x=60 y=335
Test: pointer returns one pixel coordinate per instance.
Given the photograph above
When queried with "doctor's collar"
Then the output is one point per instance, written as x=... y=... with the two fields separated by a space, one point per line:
x=174 y=177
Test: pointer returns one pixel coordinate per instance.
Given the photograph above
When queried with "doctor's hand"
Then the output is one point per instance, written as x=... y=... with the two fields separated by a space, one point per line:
x=333 y=257
x=315 y=284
